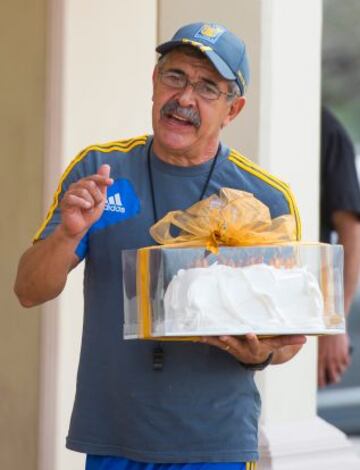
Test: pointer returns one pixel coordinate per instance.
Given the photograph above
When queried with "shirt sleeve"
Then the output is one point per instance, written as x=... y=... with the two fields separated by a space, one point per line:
x=339 y=181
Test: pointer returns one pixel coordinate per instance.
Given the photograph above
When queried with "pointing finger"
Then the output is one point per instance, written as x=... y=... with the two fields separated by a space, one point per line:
x=104 y=170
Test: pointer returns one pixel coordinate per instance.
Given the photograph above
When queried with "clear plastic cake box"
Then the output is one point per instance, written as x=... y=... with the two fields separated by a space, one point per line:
x=182 y=293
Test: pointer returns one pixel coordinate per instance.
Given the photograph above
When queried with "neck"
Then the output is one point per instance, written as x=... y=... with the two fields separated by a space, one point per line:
x=187 y=157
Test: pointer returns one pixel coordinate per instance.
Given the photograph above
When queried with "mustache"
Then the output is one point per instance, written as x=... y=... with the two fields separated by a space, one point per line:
x=189 y=113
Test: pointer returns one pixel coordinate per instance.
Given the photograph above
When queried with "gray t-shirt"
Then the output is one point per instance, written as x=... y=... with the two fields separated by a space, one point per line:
x=203 y=406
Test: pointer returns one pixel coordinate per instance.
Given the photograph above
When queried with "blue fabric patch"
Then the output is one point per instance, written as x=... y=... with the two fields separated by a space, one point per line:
x=122 y=203
x=210 y=33
x=98 y=462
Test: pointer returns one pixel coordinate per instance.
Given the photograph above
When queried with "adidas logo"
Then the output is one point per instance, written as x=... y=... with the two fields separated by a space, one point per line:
x=114 y=204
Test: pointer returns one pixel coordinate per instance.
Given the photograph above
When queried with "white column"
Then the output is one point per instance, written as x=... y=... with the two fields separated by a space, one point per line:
x=100 y=61
x=288 y=136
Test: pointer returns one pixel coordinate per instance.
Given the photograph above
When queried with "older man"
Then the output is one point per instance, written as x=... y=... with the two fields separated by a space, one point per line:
x=185 y=403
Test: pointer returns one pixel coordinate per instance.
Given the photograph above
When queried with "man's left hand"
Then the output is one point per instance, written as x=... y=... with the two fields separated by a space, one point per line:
x=252 y=350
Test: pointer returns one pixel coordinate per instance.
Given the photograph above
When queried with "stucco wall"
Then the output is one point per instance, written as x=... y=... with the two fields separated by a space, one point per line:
x=22 y=47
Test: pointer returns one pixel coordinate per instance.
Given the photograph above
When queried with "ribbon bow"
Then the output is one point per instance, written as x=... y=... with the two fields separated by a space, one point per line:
x=232 y=218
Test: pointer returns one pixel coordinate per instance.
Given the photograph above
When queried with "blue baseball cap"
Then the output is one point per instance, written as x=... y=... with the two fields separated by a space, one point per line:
x=225 y=51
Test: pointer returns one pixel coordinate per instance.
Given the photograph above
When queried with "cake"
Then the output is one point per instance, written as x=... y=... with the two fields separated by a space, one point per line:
x=221 y=299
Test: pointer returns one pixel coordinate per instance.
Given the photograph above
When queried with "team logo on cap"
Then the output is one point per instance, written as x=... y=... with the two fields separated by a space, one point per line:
x=210 y=32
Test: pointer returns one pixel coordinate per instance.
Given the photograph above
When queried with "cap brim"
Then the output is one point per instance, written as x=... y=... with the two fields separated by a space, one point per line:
x=223 y=69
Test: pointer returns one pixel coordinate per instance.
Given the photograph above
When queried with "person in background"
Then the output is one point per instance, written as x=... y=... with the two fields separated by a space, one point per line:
x=340 y=213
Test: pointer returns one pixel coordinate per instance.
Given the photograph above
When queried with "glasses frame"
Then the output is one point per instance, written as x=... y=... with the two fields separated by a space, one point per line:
x=194 y=85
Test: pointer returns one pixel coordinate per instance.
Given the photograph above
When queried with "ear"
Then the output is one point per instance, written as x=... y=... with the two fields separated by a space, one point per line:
x=154 y=77
x=154 y=74
x=235 y=107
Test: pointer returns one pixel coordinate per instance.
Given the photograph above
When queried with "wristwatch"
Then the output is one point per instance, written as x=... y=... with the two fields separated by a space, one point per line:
x=260 y=366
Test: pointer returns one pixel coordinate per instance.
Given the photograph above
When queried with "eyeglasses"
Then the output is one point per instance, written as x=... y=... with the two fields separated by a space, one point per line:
x=180 y=81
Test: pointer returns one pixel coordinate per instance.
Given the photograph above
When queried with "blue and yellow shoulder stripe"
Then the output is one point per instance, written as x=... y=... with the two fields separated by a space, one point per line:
x=123 y=146
x=251 y=167
x=250 y=465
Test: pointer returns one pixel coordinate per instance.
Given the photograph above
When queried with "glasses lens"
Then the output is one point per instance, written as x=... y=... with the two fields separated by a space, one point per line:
x=207 y=90
x=173 y=79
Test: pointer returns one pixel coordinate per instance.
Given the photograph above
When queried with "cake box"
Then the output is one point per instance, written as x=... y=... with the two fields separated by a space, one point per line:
x=187 y=292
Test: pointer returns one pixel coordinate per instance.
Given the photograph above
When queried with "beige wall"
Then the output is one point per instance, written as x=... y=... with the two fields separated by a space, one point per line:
x=22 y=43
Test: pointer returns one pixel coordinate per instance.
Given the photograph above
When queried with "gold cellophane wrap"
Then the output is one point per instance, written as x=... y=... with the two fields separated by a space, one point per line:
x=232 y=218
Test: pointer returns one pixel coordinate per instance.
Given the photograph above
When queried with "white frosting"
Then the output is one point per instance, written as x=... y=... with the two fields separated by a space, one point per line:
x=222 y=299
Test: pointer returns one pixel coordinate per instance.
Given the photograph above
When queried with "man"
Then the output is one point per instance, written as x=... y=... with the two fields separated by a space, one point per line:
x=184 y=403
x=340 y=213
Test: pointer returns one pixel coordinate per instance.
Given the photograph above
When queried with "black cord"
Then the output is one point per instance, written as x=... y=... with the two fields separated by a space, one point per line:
x=158 y=353
x=151 y=180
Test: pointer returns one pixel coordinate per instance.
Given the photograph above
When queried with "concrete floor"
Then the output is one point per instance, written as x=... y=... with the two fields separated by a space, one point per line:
x=356 y=442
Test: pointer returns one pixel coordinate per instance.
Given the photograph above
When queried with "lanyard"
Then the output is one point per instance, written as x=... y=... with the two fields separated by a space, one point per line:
x=151 y=181
x=158 y=353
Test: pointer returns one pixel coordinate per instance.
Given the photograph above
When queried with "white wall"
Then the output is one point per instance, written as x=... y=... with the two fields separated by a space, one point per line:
x=290 y=100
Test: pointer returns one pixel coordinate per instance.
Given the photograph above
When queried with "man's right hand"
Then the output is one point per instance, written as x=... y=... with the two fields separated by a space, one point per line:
x=83 y=203
x=43 y=268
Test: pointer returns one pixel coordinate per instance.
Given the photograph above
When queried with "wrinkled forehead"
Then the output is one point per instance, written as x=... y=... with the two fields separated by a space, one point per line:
x=188 y=57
